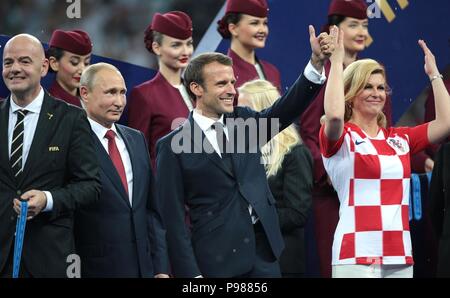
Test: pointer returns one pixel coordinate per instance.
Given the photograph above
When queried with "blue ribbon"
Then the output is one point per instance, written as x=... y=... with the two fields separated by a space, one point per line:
x=20 y=232
x=416 y=196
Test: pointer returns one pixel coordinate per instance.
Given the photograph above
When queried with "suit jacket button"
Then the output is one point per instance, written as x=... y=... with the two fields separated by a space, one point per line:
x=12 y=217
x=19 y=192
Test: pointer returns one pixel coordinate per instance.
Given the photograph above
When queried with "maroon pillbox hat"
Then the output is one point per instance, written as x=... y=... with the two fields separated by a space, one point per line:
x=350 y=8
x=76 y=41
x=176 y=24
x=256 y=8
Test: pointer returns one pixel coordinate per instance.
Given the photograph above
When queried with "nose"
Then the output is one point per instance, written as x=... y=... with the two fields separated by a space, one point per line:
x=231 y=90
x=187 y=50
x=15 y=68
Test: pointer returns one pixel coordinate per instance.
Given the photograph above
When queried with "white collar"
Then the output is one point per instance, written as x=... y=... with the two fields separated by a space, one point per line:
x=33 y=107
x=100 y=131
x=204 y=122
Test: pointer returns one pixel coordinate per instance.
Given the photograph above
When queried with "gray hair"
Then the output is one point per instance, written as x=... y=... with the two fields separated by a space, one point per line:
x=89 y=73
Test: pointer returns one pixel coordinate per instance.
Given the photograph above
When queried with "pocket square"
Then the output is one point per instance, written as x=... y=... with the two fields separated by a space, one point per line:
x=53 y=149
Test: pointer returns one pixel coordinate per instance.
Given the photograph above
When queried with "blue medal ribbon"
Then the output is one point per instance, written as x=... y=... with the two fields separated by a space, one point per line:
x=20 y=232
x=417 y=197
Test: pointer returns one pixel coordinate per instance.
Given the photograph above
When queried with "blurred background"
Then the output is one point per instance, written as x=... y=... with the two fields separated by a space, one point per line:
x=115 y=26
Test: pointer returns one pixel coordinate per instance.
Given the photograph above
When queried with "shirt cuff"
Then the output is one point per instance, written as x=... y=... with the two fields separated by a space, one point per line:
x=313 y=75
x=49 y=206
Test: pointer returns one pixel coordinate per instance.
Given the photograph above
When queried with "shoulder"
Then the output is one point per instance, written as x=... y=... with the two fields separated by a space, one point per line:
x=130 y=131
x=66 y=109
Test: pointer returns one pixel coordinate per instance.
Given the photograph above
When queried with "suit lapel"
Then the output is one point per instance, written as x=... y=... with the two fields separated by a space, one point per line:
x=43 y=133
x=109 y=169
x=129 y=143
x=199 y=142
x=4 y=154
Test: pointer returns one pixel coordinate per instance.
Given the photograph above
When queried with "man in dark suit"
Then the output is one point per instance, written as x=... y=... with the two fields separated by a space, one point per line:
x=121 y=235
x=46 y=158
x=439 y=213
x=212 y=164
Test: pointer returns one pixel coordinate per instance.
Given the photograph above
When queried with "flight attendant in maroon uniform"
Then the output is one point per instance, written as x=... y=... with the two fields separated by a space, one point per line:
x=158 y=106
x=69 y=54
x=351 y=17
x=245 y=22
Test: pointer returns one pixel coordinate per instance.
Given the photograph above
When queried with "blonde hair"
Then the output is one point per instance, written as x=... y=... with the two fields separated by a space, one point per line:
x=262 y=94
x=356 y=76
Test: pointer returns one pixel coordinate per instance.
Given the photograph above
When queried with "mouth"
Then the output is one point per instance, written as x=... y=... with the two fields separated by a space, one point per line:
x=361 y=42
x=77 y=79
x=17 y=78
x=227 y=100
x=261 y=37
x=183 y=60
x=116 y=113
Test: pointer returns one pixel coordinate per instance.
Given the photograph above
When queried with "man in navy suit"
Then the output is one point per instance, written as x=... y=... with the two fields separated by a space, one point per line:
x=212 y=163
x=122 y=234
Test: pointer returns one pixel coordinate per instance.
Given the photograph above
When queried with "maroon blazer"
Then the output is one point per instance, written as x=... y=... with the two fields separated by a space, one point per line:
x=310 y=127
x=57 y=91
x=245 y=71
x=152 y=107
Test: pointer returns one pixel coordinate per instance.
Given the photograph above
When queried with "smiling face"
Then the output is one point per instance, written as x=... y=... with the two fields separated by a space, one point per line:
x=250 y=31
x=356 y=33
x=69 y=69
x=24 y=64
x=174 y=53
x=215 y=96
x=369 y=102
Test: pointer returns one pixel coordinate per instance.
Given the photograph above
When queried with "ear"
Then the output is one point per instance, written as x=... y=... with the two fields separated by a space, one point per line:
x=44 y=69
x=234 y=30
x=84 y=94
x=54 y=64
x=156 y=47
x=196 y=88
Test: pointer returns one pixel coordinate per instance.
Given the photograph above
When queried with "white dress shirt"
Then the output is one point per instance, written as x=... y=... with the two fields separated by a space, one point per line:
x=100 y=132
x=29 y=128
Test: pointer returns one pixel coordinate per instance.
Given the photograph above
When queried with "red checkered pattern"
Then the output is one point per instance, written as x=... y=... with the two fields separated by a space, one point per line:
x=372 y=179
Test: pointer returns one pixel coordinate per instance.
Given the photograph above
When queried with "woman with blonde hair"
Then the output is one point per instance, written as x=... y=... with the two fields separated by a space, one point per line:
x=288 y=166
x=369 y=165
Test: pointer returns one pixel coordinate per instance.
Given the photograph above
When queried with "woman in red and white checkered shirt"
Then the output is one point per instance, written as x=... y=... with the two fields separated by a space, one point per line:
x=369 y=165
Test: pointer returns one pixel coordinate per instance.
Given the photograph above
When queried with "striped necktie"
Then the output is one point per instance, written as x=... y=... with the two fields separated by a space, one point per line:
x=17 y=144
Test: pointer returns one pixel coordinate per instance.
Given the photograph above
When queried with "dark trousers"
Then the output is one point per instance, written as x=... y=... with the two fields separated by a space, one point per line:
x=266 y=265
x=7 y=271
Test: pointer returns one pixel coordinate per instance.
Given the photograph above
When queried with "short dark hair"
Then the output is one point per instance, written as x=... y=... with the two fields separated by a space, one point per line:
x=194 y=70
x=57 y=53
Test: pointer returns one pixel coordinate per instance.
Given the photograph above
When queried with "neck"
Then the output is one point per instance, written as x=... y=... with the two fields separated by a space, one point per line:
x=72 y=92
x=204 y=112
x=368 y=124
x=349 y=58
x=173 y=76
x=245 y=53
x=24 y=99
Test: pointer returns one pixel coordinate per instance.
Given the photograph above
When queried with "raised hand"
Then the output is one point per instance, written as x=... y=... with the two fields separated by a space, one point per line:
x=430 y=66
x=321 y=46
x=337 y=37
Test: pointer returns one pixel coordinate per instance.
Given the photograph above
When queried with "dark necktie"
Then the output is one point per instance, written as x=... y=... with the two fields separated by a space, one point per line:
x=17 y=144
x=221 y=139
x=114 y=154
